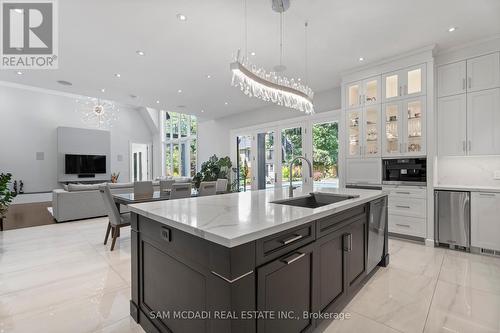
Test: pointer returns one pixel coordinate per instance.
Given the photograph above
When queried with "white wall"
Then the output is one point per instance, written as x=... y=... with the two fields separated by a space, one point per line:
x=213 y=135
x=29 y=118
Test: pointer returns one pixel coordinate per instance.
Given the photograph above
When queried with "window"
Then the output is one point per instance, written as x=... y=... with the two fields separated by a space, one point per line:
x=180 y=141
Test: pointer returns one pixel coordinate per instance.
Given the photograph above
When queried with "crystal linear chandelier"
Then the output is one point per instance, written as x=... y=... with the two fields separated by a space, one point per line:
x=254 y=81
x=98 y=113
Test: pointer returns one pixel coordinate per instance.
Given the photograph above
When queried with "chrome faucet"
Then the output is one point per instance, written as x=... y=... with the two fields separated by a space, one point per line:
x=290 y=189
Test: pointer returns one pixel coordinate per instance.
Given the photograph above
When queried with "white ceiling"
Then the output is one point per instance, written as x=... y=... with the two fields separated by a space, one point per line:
x=100 y=38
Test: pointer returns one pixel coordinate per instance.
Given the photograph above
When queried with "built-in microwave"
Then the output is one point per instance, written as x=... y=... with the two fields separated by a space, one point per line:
x=407 y=171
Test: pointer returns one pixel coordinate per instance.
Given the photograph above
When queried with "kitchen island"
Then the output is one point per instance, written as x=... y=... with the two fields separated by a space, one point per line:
x=254 y=261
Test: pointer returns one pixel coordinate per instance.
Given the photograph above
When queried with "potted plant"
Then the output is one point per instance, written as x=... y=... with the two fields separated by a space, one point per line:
x=213 y=169
x=6 y=196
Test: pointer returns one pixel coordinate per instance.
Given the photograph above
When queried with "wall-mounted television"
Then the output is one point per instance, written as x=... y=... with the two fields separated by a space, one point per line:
x=84 y=164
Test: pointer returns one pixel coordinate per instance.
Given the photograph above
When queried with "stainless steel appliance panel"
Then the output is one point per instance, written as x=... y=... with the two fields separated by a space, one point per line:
x=376 y=232
x=452 y=218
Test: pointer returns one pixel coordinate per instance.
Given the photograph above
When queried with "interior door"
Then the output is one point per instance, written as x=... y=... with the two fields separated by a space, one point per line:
x=452 y=125
x=483 y=122
x=140 y=167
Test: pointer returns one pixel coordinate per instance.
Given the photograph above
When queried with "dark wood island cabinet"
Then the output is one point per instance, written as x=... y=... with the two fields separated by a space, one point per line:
x=285 y=282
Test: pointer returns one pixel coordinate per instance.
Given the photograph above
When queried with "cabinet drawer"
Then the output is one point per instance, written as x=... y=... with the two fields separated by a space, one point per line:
x=406 y=225
x=332 y=223
x=408 y=207
x=406 y=192
x=279 y=244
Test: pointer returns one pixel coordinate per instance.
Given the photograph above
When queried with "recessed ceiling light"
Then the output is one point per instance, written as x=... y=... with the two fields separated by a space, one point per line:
x=157 y=102
x=361 y=59
x=19 y=73
x=451 y=29
x=181 y=17
x=253 y=53
x=179 y=91
x=133 y=96
x=118 y=75
x=226 y=103
x=209 y=76
x=65 y=83
x=139 y=52
x=299 y=79
x=103 y=90
x=202 y=111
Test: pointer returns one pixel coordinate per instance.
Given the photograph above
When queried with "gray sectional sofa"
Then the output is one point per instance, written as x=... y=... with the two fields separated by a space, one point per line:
x=83 y=201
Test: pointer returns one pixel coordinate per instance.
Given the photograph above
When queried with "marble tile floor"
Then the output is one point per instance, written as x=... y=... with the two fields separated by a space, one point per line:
x=61 y=278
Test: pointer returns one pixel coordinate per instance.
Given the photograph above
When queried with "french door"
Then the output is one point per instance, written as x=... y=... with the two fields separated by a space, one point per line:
x=264 y=155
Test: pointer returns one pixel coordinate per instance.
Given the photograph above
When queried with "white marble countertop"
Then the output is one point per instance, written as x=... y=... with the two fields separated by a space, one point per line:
x=467 y=188
x=237 y=218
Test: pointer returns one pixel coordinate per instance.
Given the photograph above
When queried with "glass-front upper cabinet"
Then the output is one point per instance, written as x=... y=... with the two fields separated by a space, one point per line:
x=414 y=127
x=361 y=93
x=354 y=133
x=392 y=140
x=409 y=82
x=371 y=131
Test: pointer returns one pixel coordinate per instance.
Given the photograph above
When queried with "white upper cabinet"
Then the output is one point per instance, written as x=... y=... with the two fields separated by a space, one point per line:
x=483 y=72
x=483 y=122
x=363 y=128
x=409 y=82
x=452 y=125
x=404 y=128
x=452 y=79
x=485 y=226
x=361 y=93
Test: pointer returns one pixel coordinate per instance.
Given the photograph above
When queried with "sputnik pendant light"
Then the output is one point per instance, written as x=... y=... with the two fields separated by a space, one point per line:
x=96 y=112
x=269 y=86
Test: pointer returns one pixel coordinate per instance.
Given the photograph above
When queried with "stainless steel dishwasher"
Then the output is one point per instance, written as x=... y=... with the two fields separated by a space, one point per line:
x=452 y=218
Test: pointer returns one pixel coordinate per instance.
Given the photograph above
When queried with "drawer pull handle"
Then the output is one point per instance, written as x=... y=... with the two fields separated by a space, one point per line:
x=291 y=239
x=233 y=280
x=487 y=195
x=293 y=258
x=407 y=193
x=403 y=225
x=406 y=207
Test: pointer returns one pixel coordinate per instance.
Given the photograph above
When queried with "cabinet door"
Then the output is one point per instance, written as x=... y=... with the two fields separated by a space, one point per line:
x=355 y=245
x=392 y=141
x=332 y=284
x=414 y=126
x=485 y=227
x=286 y=285
x=483 y=72
x=371 y=131
x=393 y=88
x=353 y=95
x=354 y=133
x=413 y=81
x=483 y=122
x=371 y=91
x=452 y=125
x=452 y=79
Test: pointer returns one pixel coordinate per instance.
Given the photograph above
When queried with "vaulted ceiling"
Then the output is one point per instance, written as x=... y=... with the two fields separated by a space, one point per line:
x=99 y=39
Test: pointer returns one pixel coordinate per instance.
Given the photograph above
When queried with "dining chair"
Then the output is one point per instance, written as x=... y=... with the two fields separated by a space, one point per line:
x=207 y=188
x=221 y=186
x=180 y=190
x=116 y=220
x=166 y=185
x=144 y=188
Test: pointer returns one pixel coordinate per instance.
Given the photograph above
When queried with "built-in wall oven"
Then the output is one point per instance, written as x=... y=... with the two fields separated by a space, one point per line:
x=404 y=171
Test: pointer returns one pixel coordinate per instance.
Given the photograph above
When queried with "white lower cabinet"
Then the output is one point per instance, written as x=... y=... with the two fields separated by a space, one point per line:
x=485 y=220
x=407 y=210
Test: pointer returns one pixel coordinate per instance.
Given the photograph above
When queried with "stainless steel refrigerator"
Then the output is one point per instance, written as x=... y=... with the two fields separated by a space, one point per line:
x=452 y=218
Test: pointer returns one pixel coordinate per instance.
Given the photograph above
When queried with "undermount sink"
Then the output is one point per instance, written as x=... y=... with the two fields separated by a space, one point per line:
x=315 y=200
